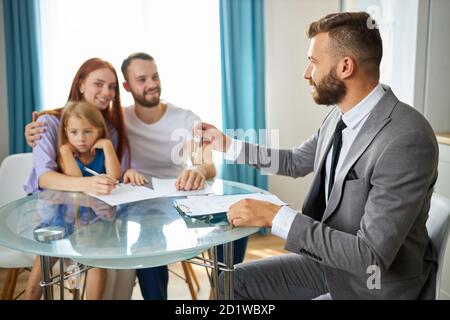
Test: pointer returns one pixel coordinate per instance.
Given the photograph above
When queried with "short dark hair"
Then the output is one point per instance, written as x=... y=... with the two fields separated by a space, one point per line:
x=131 y=57
x=352 y=33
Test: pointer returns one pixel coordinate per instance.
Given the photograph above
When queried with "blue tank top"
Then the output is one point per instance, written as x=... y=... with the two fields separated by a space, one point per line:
x=97 y=164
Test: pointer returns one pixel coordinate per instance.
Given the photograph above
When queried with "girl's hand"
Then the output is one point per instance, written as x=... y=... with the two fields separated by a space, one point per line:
x=102 y=184
x=101 y=144
x=133 y=177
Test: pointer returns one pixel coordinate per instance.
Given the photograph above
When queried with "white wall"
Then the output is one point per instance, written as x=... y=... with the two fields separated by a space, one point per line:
x=436 y=88
x=3 y=94
x=289 y=106
x=437 y=93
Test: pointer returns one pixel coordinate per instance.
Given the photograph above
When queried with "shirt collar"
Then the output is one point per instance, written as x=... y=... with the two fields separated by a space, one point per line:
x=355 y=115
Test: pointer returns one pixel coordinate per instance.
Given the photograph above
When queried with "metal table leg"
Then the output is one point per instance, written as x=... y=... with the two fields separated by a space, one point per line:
x=227 y=267
x=61 y=279
x=228 y=274
x=46 y=277
x=215 y=272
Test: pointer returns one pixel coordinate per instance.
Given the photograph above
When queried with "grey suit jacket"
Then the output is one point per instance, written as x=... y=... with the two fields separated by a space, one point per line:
x=377 y=210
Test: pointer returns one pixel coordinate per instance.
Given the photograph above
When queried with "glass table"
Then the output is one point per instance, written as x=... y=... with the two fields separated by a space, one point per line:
x=136 y=235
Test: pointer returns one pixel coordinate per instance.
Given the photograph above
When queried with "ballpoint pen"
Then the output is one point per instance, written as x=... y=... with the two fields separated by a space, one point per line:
x=94 y=173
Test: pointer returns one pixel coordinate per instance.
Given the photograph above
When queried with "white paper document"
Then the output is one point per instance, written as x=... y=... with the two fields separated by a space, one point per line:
x=204 y=205
x=167 y=188
x=125 y=193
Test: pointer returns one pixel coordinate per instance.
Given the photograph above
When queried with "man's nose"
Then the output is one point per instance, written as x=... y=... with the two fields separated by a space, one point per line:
x=307 y=72
x=152 y=84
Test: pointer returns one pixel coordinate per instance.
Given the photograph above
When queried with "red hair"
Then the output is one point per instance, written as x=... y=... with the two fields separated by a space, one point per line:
x=113 y=114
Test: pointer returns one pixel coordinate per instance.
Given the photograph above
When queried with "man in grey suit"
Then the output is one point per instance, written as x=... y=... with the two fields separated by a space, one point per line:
x=361 y=233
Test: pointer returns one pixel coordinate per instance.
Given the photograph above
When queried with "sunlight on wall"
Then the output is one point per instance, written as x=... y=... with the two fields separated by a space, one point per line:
x=182 y=36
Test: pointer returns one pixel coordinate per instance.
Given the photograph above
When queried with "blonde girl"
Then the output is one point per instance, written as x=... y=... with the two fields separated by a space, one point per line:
x=82 y=143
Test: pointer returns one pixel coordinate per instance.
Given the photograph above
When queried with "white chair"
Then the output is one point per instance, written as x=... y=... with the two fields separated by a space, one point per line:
x=438 y=226
x=14 y=172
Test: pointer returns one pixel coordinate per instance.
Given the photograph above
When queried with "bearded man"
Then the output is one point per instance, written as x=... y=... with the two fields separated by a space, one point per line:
x=361 y=233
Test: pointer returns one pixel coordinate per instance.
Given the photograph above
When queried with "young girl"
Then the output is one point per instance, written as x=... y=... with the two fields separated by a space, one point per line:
x=82 y=143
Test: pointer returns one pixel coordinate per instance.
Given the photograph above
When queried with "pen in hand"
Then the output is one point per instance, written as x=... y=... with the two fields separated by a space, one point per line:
x=94 y=173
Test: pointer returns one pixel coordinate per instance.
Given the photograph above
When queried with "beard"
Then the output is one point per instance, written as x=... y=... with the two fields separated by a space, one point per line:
x=330 y=90
x=148 y=103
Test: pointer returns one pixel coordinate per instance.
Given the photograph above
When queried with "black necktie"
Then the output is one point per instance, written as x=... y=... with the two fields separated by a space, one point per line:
x=337 y=144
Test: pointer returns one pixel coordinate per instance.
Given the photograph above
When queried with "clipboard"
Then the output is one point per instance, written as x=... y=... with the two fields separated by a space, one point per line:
x=205 y=221
x=182 y=209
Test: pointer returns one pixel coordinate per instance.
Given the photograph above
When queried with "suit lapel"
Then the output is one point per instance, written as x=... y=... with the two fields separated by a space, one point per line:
x=374 y=124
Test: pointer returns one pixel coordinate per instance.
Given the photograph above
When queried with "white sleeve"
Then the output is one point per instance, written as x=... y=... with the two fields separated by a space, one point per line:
x=282 y=222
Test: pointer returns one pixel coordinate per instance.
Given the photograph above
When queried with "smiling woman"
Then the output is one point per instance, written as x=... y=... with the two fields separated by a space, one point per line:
x=184 y=36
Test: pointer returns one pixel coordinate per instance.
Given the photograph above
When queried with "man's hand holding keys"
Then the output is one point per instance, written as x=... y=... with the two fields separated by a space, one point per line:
x=212 y=136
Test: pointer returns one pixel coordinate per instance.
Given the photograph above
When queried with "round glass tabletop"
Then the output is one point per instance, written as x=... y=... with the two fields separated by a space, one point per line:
x=134 y=235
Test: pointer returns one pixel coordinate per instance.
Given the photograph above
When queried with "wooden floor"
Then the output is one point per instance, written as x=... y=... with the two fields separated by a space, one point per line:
x=259 y=246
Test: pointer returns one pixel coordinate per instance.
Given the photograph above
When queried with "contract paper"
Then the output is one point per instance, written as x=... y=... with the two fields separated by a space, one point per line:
x=168 y=189
x=125 y=193
x=204 y=205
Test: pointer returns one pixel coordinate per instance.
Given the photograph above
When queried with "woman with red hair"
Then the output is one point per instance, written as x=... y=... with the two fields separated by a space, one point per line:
x=95 y=82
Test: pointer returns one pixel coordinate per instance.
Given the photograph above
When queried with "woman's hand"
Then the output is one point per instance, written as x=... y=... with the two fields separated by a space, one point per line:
x=33 y=130
x=134 y=177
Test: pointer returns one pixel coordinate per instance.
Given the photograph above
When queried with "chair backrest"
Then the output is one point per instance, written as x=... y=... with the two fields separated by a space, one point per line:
x=14 y=172
x=438 y=226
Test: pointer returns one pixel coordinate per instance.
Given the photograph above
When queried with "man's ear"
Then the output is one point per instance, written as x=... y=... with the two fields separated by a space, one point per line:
x=126 y=86
x=346 y=68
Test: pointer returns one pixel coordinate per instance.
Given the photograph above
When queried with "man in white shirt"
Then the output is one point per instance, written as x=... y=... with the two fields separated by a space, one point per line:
x=159 y=132
x=361 y=233
x=160 y=143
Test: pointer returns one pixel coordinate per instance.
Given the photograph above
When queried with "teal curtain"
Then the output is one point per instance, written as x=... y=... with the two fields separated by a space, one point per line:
x=23 y=61
x=243 y=72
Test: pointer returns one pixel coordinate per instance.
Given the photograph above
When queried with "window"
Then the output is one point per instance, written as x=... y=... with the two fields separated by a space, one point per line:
x=182 y=36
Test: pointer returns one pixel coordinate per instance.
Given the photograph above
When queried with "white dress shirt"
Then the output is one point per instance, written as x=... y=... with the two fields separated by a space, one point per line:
x=354 y=120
